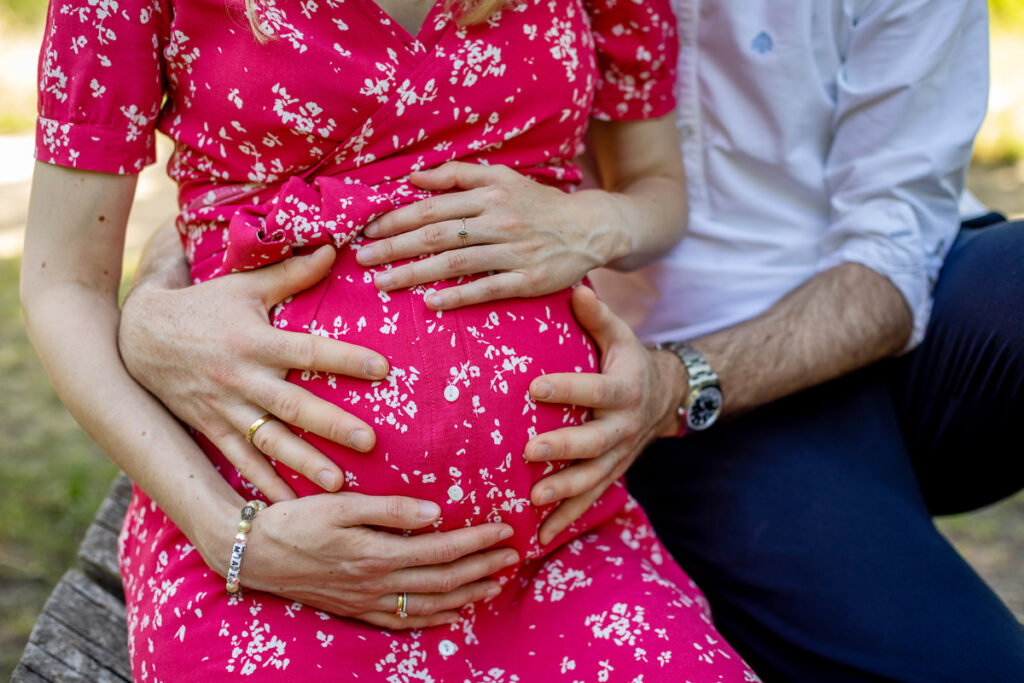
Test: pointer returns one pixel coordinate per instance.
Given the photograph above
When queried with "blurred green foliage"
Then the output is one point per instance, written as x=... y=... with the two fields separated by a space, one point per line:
x=22 y=13
x=1007 y=15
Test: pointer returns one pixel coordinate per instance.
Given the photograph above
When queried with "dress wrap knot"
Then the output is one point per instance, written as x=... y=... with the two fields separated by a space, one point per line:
x=330 y=210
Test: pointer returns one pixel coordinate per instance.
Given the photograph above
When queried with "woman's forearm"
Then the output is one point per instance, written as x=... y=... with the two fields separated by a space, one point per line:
x=639 y=222
x=643 y=200
x=133 y=429
x=69 y=283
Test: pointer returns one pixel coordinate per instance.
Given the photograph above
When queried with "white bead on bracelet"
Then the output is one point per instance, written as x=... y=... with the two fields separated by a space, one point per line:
x=244 y=526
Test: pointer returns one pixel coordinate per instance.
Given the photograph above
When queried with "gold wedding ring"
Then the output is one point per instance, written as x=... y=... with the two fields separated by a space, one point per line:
x=464 y=234
x=251 y=432
x=403 y=602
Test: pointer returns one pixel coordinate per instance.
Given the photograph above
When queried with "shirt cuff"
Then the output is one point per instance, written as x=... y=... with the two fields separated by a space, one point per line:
x=92 y=147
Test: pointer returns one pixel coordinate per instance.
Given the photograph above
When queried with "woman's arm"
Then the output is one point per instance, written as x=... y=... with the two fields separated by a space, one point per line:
x=320 y=550
x=71 y=271
x=537 y=239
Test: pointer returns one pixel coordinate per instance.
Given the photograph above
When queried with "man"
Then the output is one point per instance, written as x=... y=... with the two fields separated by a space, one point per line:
x=826 y=145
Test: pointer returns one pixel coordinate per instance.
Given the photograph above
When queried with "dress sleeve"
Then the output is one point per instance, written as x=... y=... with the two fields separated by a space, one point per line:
x=100 y=84
x=637 y=46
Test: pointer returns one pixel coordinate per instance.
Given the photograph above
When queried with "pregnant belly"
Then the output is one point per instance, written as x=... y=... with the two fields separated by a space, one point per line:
x=454 y=414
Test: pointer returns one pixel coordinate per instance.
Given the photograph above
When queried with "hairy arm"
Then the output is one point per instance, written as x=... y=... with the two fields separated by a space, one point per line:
x=892 y=191
x=839 y=320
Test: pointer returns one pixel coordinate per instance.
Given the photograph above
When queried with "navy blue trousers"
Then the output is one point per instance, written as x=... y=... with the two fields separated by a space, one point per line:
x=808 y=523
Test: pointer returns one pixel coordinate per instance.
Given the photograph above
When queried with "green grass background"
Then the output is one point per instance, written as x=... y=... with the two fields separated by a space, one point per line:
x=52 y=478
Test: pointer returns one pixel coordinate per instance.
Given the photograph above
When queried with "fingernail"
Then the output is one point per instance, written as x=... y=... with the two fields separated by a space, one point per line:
x=371 y=229
x=511 y=559
x=542 y=390
x=326 y=479
x=428 y=510
x=540 y=452
x=375 y=367
x=547 y=496
x=384 y=279
x=360 y=440
x=451 y=620
x=505 y=533
x=491 y=592
x=435 y=301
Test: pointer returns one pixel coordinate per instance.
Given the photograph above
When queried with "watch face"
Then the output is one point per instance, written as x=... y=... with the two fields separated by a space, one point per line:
x=704 y=409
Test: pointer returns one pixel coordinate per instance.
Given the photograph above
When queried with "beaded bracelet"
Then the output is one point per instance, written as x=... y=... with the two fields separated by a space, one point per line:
x=244 y=526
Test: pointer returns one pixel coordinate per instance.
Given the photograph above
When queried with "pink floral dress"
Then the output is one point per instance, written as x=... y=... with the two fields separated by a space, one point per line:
x=300 y=141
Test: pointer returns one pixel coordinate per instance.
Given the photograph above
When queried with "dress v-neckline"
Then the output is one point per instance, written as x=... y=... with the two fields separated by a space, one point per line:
x=399 y=31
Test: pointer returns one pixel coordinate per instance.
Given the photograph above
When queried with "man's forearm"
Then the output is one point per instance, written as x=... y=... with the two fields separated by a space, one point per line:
x=163 y=261
x=836 y=322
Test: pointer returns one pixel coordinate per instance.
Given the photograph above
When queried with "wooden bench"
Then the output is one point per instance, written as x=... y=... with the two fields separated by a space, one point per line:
x=82 y=633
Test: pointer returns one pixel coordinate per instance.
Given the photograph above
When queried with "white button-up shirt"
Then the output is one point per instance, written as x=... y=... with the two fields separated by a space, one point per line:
x=814 y=132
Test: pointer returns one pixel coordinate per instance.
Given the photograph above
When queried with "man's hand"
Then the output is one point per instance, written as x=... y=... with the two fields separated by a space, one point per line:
x=210 y=355
x=634 y=400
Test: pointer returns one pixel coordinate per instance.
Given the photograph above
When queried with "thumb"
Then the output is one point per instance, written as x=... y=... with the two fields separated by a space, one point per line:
x=597 y=319
x=273 y=284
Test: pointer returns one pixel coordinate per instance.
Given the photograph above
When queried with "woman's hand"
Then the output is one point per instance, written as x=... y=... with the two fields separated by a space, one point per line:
x=210 y=355
x=633 y=399
x=532 y=239
x=538 y=239
x=324 y=551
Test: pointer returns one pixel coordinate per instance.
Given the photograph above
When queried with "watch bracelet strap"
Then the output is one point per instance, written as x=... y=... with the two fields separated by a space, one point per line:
x=699 y=374
x=697 y=367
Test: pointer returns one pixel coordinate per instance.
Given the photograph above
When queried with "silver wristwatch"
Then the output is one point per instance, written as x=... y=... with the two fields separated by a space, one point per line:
x=702 y=404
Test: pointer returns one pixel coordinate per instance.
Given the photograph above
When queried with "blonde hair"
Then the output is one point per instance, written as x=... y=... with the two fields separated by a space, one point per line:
x=467 y=12
x=472 y=12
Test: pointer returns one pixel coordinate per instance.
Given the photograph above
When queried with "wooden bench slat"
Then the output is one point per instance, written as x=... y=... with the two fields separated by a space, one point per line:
x=59 y=671
x=112 y=509
x=80 y=636
x=98 y=552
x=23 y=674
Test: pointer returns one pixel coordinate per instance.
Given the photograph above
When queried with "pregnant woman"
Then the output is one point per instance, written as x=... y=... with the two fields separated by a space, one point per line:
x=299 y=128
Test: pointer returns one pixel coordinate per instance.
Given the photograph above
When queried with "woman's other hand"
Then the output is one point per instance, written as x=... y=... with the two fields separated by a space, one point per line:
x=327 y=551
x=532 y=239
x=536 y=238
x=208 y=352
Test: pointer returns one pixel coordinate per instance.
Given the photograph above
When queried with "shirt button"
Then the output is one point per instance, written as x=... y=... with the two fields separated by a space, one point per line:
x=686 y=131
x=455 y=492
x=451 y=393
x=447 y=648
